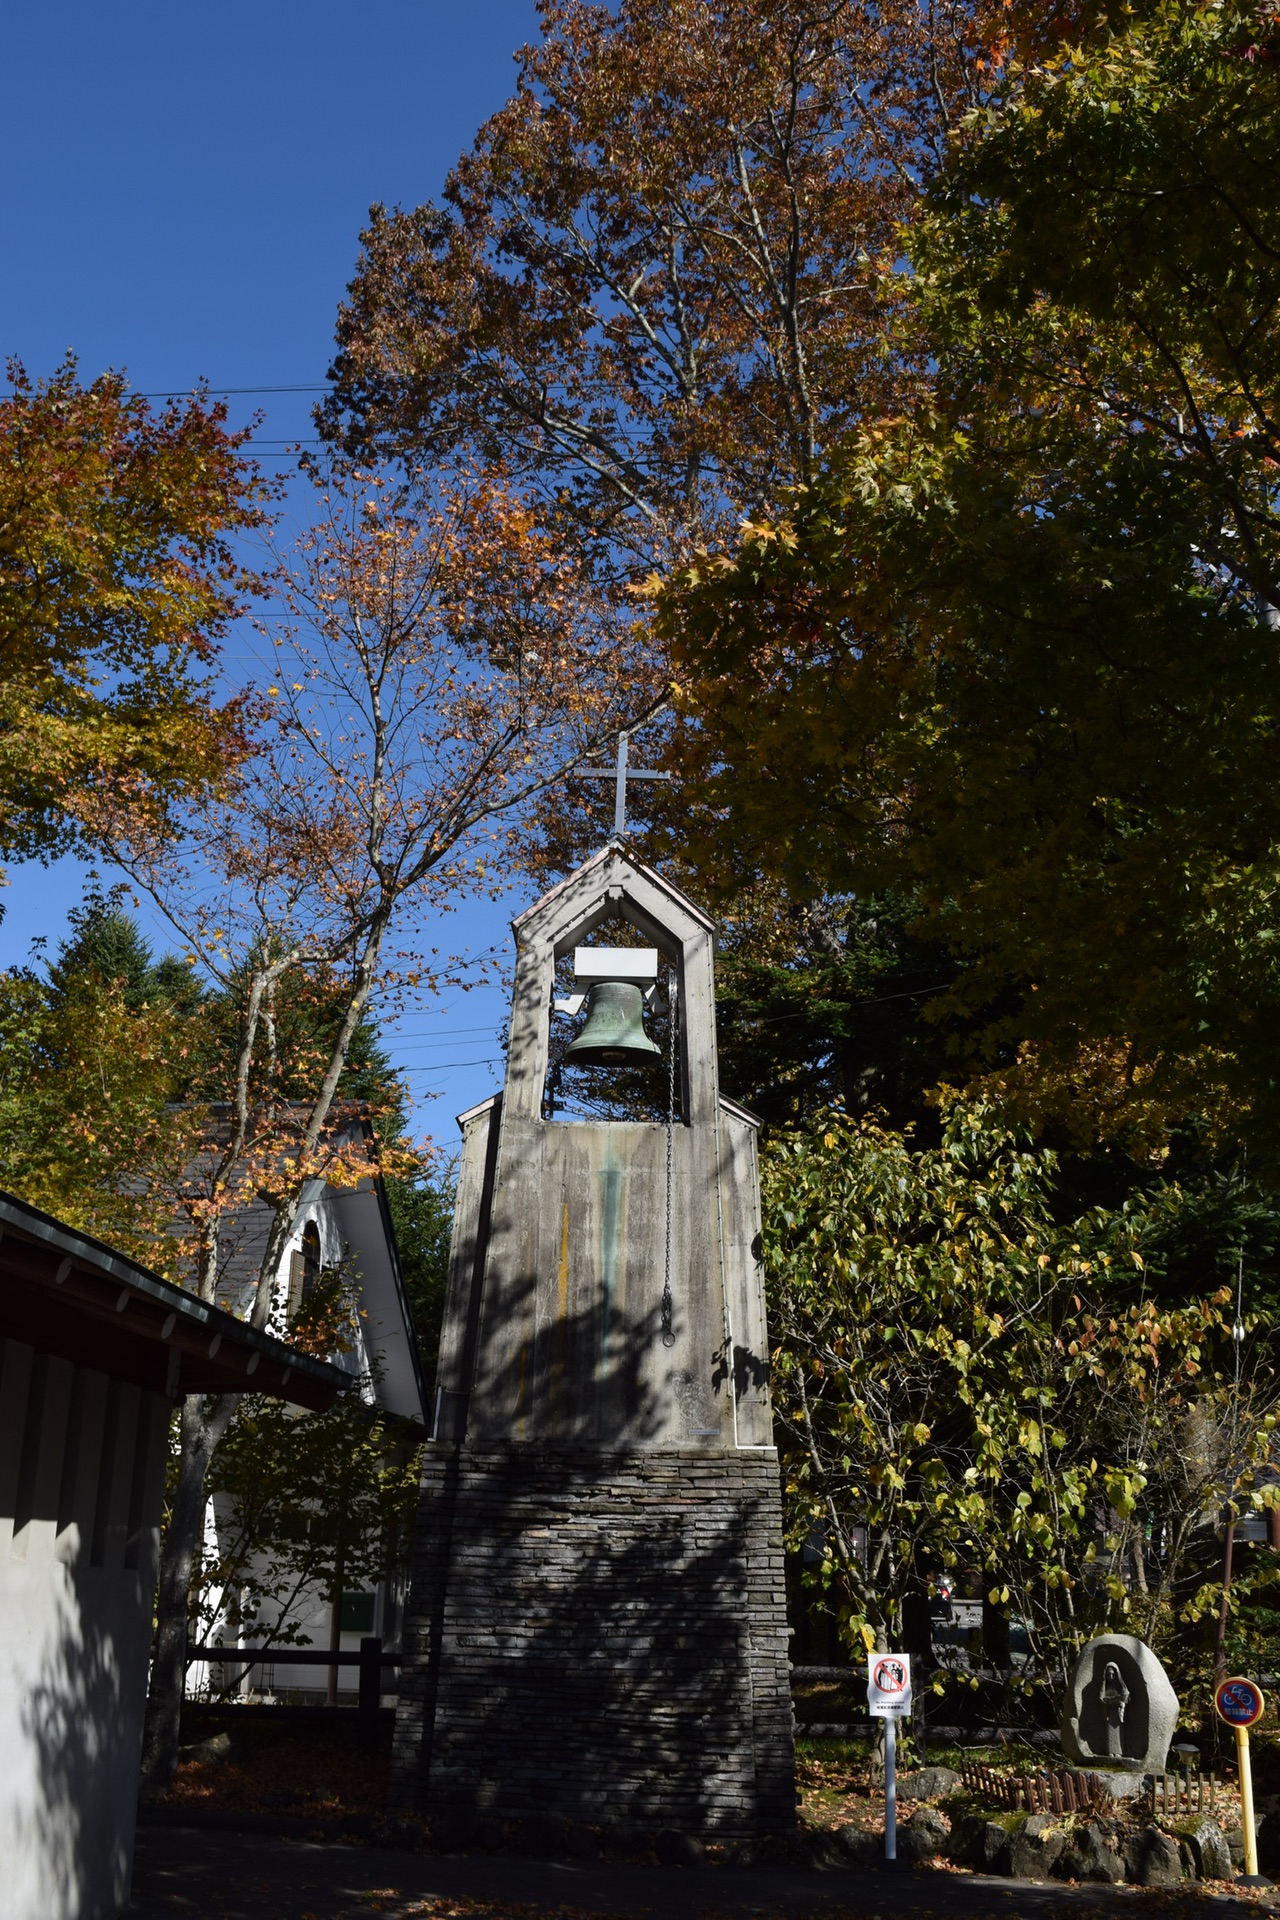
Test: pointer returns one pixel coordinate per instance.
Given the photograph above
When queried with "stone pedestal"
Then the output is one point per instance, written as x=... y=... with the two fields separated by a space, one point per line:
x=599 y=1639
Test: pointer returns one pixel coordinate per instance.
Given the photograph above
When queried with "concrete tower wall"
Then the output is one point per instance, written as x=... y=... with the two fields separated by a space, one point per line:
x=596 y=1624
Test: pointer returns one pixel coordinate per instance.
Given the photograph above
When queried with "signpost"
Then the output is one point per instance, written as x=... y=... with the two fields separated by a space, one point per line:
x=1240 y=1702
x=889 y=1698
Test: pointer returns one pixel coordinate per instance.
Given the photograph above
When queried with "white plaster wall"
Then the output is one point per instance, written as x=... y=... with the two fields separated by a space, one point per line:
x=310 y=1613
x=81 y=1483
x=383 y=1331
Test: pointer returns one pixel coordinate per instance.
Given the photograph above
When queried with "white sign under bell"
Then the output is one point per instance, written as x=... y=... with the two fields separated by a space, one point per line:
x=889 y=1685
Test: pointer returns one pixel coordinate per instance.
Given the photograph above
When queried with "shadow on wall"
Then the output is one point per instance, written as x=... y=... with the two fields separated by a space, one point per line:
x=80 y=1494
x=602 y=1645
x=596 y=1377
x=614 y=1684
x=76 y=1720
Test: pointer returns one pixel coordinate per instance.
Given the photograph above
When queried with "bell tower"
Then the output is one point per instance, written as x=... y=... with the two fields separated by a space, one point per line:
x=596 y=1618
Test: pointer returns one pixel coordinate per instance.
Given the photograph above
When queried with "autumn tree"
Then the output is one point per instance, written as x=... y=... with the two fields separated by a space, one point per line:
x=93 y=1125
x=970 y=1384
x=652 y=290
x=307 y=1505
x=411 y=719
x=117 y=580
x=1013 y=655
x=652 y=293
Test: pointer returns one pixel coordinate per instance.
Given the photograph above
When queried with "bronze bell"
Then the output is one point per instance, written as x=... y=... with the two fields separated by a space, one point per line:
x=614 y=1034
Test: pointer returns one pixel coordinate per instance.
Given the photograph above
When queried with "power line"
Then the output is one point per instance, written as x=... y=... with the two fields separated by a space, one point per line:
x=838 y=1006
x=450 y=1066
x=183 y=393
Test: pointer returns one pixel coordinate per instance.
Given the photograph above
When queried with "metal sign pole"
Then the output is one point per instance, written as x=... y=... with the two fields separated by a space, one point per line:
x=1246 y=1804
x=889 y=1696
x=1240 y=1703
x=891 y=1788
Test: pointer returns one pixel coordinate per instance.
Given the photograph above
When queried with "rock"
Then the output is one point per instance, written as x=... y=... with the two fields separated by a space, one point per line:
x=214 y=1752
x=1121 y=1711
x=1034 y=1846
x=1152 y=1859
x=1268 y=1833
x=679 y=1849
x=929 y=1820
x=1121 y=1786
x=1098 y=1859
x=930 y=1783
x=1234 y=1838
x=1069 y=1864
x=861 y=1849
x=916 y=1846
x=550 y=1837
x=820 y=1847
x=399 y=1832
x=1210 y=1853
x=980 y=1843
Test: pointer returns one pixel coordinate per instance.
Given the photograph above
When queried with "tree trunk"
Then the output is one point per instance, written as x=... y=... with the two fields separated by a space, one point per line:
x=335 y=1628
x=995 y=1635
x=203 y=1423
x=1224 y=1609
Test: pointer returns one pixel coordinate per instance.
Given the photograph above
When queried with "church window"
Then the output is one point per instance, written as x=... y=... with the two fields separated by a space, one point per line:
x=304 y=1271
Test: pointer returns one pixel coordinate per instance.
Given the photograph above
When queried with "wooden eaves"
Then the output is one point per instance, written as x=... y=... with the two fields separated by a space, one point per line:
x=68 y=1294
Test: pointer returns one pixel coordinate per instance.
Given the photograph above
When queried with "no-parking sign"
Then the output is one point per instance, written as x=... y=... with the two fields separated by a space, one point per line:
x=1238 y=1702
x=889 y=1685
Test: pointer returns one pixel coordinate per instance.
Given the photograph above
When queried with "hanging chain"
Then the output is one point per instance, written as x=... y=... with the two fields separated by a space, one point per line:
x=668 y=1334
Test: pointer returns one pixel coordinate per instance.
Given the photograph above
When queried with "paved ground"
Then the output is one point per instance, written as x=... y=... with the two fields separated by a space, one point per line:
x=185 y=1875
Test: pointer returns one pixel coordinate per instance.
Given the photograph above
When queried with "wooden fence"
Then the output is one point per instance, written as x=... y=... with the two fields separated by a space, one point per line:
x=1175 y=1795
x=370 y=1659
x=1051 y=1790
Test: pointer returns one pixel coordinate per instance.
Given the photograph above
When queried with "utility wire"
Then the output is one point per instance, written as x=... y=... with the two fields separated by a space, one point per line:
x=180 y=393
x=835 y=1006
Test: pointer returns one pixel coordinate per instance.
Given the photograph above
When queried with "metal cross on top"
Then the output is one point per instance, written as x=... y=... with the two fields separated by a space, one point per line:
x=619 y=774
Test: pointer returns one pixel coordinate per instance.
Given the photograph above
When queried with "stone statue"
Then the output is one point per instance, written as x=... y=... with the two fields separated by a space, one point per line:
x=1121 y=1710
x=1114 y=1696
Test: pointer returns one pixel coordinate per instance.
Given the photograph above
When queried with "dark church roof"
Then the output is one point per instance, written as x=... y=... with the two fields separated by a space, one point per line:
x=68 y=1294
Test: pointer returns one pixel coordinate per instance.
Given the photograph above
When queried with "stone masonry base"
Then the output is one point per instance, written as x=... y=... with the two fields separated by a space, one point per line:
x=601 y=1638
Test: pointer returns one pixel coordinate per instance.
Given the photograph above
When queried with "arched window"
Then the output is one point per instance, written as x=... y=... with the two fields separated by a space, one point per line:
x=304 y=1271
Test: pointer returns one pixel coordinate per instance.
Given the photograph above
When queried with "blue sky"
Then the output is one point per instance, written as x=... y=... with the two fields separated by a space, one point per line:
x=183 y=190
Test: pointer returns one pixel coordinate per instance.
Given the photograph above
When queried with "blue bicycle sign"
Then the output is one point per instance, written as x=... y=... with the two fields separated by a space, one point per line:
x=1238 y=1702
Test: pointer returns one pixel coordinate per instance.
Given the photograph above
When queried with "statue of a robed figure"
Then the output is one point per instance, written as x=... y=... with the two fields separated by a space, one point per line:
x=1121 y=1711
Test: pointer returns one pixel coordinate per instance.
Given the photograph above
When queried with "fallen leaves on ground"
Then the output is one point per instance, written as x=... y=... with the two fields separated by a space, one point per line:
x=275 y=1768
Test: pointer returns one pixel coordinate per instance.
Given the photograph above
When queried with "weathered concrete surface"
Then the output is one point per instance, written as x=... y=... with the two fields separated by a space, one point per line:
x=596 y=1624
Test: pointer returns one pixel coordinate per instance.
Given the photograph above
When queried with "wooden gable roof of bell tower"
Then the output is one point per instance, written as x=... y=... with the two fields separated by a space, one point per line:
x=612 y=884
